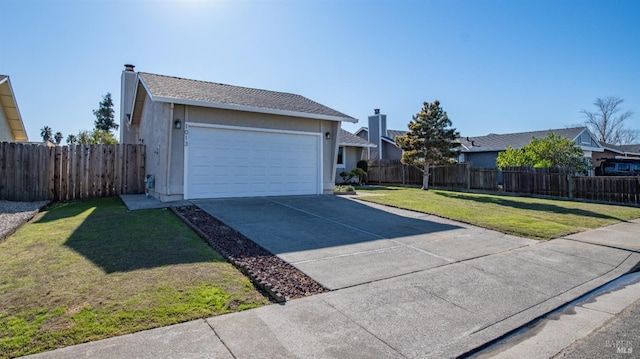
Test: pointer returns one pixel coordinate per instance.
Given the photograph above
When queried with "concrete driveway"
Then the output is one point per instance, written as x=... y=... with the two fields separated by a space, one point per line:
x=342 y=243
x=410 y=285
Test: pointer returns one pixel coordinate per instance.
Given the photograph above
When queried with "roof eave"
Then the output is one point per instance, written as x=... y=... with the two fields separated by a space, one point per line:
x=388 y=140
x=361 y=129
x=357 y=145
x=270 y=111
x=19 y=133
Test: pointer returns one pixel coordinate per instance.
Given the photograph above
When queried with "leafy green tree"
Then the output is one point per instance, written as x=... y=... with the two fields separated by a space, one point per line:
x=58 y=137
x=72 y=140
x=101 y=137
x=551 y=151
x=430 y=140
x=96 y=137
x=105 y=115
x=46 y=133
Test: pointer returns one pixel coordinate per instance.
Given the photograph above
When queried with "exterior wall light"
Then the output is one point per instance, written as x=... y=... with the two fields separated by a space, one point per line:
x=327 y=135
x=177 y=124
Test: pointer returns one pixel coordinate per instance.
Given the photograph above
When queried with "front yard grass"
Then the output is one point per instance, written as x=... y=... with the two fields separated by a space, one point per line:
x=520 y=216
x=90 y=270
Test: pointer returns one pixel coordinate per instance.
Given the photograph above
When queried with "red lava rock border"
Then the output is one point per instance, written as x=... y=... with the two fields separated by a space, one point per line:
x=279 y=279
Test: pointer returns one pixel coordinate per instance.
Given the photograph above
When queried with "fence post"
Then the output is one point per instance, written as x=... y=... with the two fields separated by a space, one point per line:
x=570 y=185
x=468 y=169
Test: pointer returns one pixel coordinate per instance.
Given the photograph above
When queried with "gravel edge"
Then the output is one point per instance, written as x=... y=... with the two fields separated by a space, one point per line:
x=263 y=268
x=14 y=215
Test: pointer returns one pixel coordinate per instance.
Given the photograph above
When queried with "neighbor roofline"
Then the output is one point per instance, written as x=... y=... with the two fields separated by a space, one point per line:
x=361 y=129
x=384 y=138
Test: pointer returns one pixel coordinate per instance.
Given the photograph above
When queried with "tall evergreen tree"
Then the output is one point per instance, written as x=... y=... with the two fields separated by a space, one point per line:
x=430 y=140
x=105 y=115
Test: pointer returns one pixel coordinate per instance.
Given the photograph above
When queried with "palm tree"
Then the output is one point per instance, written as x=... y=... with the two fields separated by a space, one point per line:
x=72 y=140
x=46 y=133
x=58 y=137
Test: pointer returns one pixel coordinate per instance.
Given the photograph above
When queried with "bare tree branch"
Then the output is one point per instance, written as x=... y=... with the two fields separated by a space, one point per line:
x=607 y=123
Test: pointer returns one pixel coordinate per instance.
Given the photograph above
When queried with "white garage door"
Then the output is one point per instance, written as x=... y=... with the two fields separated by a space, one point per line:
x=223 y=161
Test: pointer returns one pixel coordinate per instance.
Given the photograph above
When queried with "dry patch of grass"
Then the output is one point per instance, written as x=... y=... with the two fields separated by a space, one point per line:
x=90 y=270
x=520 y=216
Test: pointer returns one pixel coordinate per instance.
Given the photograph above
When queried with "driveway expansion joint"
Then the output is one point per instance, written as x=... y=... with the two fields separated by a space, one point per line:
x=364 y=328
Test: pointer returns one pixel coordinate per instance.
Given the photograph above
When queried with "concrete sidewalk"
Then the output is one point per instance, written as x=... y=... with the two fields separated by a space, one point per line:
x=434 y=290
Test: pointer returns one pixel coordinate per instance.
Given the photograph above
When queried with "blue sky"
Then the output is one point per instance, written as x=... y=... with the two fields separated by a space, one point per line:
x=496 y=66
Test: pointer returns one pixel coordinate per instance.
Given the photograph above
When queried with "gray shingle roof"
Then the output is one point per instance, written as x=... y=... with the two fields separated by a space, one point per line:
x=631 y=148
x=211 y=94
x=2 y=77
x=500 y=142
x=392 y=134
x=349 y=139
x=628 y=149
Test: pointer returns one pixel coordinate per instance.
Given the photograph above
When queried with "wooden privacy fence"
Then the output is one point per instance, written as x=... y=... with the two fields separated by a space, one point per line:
x=539 y=181
x=451 y=176
x=560 y=182
x=552 y=182
x=392 y=171
x=37 y=172
x=625 y=190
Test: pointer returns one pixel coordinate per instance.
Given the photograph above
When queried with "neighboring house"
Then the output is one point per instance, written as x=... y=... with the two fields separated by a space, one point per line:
x=384 y=139
x=351 y=150
x=482 y=151
x=211 y=140
x=11 y=125
x=612 y=151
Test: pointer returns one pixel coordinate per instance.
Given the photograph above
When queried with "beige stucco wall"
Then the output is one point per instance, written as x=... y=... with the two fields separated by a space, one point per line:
x=5 y=130
x=153 y=132
x=165 y=144
x=352 y=156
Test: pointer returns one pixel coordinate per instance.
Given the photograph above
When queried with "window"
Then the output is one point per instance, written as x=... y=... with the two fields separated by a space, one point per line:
x=340 y=162
x=585 y=138
x=624 y=167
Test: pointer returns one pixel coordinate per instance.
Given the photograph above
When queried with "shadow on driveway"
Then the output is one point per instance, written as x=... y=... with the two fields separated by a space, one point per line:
x=337 y=241
x=302 y=223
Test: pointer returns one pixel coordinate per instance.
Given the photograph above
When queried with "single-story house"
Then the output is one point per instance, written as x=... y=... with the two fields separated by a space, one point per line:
x=383 y=138
x=482 y=151
x=211 y=140
x=11 y=125
x=351 y=150
x=612 y=151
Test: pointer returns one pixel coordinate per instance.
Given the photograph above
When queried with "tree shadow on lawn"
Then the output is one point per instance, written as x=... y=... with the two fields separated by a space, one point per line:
x=530 y=206
x=118 y=240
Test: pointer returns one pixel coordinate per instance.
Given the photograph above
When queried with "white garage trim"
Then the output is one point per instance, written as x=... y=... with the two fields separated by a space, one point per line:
x=313 y=139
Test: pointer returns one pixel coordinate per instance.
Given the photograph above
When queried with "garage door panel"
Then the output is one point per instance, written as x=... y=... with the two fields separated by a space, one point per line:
x=224 y=162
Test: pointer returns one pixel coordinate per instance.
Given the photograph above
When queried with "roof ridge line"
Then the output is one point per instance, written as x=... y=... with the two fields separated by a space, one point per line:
x=222 y=84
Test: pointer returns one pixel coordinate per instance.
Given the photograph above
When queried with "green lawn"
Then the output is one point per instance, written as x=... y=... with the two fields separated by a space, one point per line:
x=91 y=270
x=520 y=216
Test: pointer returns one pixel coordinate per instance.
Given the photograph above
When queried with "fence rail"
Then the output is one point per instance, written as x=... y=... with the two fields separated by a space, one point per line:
x=36 y=172
x=553 y=182
x=452 y=176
